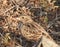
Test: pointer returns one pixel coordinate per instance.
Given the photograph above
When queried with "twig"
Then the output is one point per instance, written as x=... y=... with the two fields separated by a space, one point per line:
x=52 y=22
x=1 y=35
x=7 y=10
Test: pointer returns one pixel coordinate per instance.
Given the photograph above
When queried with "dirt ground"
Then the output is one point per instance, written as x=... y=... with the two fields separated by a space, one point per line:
x=44 y=13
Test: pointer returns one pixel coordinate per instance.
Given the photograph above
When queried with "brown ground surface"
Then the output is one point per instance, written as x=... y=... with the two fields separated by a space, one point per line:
x=43 y=12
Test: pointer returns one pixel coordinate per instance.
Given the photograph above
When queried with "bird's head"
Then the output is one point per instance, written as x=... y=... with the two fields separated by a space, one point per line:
x=25 y=19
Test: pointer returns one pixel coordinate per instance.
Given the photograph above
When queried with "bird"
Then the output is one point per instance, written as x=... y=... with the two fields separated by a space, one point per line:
x=31 y=30
x=26 y=27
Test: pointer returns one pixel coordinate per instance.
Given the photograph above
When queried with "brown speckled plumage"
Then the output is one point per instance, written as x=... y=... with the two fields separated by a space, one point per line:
x=31 y=30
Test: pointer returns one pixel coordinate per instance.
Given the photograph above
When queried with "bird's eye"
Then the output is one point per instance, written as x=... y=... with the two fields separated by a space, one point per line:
x=23 y=17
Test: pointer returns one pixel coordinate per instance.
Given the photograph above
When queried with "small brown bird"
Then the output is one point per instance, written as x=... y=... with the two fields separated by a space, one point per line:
x=31 y=30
